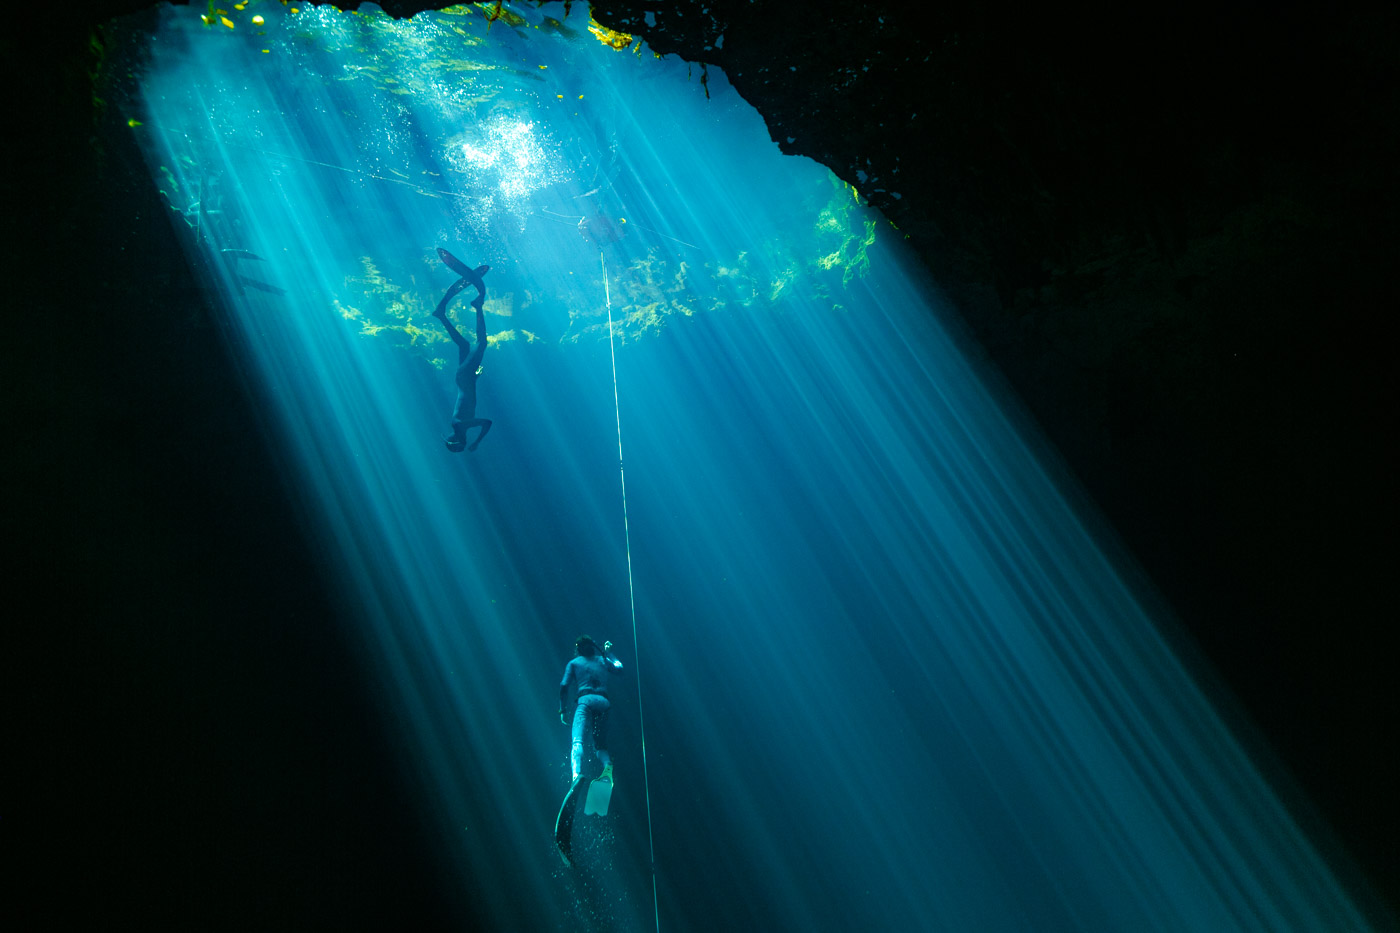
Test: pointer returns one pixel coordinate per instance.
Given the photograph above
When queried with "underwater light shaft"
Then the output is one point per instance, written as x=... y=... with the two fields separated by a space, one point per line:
x=890 y=680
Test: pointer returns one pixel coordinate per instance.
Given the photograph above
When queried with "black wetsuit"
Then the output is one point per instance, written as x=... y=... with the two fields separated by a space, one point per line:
x=468 y=364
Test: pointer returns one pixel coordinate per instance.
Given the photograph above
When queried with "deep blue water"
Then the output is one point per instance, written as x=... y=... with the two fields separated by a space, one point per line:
x=890 y=681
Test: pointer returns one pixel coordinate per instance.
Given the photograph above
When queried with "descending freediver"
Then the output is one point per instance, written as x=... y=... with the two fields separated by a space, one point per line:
x=201 y=218
x=228 y=258
x=231 y=257
x=468 y=360
x=583 y=699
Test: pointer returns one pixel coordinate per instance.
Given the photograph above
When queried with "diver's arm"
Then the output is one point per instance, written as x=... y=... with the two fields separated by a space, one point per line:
x=607 y=656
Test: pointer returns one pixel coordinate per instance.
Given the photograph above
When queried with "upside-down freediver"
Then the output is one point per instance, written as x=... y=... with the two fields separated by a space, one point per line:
x=468 y=359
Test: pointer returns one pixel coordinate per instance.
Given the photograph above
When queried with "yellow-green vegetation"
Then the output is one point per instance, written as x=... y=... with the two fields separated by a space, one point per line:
x=656 y=289
x=646 y=292
x=169 y=186
x=383 y=308
x=609 y=37
x=497 y=11
x=784 y=282
x=846 y=226
x=386 y=310
x=220 y=16
x=508 y=336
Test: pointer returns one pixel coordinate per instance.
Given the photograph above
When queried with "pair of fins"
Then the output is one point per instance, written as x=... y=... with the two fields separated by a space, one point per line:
x=231 y=257
x=597 y=797
x=468 y=277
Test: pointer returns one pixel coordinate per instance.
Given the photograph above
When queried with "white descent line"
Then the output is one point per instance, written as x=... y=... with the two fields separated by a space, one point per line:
x=632 y=596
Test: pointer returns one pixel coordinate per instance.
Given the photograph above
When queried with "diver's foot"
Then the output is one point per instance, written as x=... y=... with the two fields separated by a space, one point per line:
x=607 y=774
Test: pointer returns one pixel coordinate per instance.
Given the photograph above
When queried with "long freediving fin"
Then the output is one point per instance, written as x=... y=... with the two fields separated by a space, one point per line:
x=564 y=823
x=452 y=262
x=472 y=276
x=261 y=286
x=599 y=794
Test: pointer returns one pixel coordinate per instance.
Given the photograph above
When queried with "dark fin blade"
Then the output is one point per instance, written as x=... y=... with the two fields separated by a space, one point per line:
x=242 y=254
x=564 y=823
x=262 y=286
x=453 y=263
x=473 y=276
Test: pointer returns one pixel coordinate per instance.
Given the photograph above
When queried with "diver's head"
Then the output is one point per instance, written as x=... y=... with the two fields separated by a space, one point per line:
x=457 y=441
x=586 y=646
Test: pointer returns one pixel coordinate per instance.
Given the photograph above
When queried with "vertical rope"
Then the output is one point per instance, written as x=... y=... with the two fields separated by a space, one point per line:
x=631 y=596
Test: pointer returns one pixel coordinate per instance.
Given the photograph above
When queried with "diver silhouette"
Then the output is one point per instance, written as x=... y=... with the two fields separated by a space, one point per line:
x=468 y=360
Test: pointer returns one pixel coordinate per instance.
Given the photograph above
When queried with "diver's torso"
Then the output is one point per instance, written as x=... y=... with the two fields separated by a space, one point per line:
x=591 y=675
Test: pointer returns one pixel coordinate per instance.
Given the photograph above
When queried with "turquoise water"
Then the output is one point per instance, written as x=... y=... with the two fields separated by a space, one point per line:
x=889 y=679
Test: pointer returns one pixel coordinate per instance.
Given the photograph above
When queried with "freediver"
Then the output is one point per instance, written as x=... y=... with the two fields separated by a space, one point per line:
x=583 y=697
x=585 y=689
x=200 y=216
x=468 y=360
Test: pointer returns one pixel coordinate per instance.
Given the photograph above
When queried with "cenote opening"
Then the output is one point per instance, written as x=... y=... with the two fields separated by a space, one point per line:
x=887 y=676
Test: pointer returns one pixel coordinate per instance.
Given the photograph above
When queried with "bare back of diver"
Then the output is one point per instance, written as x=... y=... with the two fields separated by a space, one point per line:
x=468 y=358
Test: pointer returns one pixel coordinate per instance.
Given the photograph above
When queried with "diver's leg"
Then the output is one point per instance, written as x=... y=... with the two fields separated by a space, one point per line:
x=580 y=727
x=600 y=734
x=441 y=309
x=464 y=347
x=473 y=362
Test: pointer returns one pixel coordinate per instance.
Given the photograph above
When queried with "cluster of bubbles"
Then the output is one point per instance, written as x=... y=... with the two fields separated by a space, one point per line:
x=504 y=159
x=597 y=903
